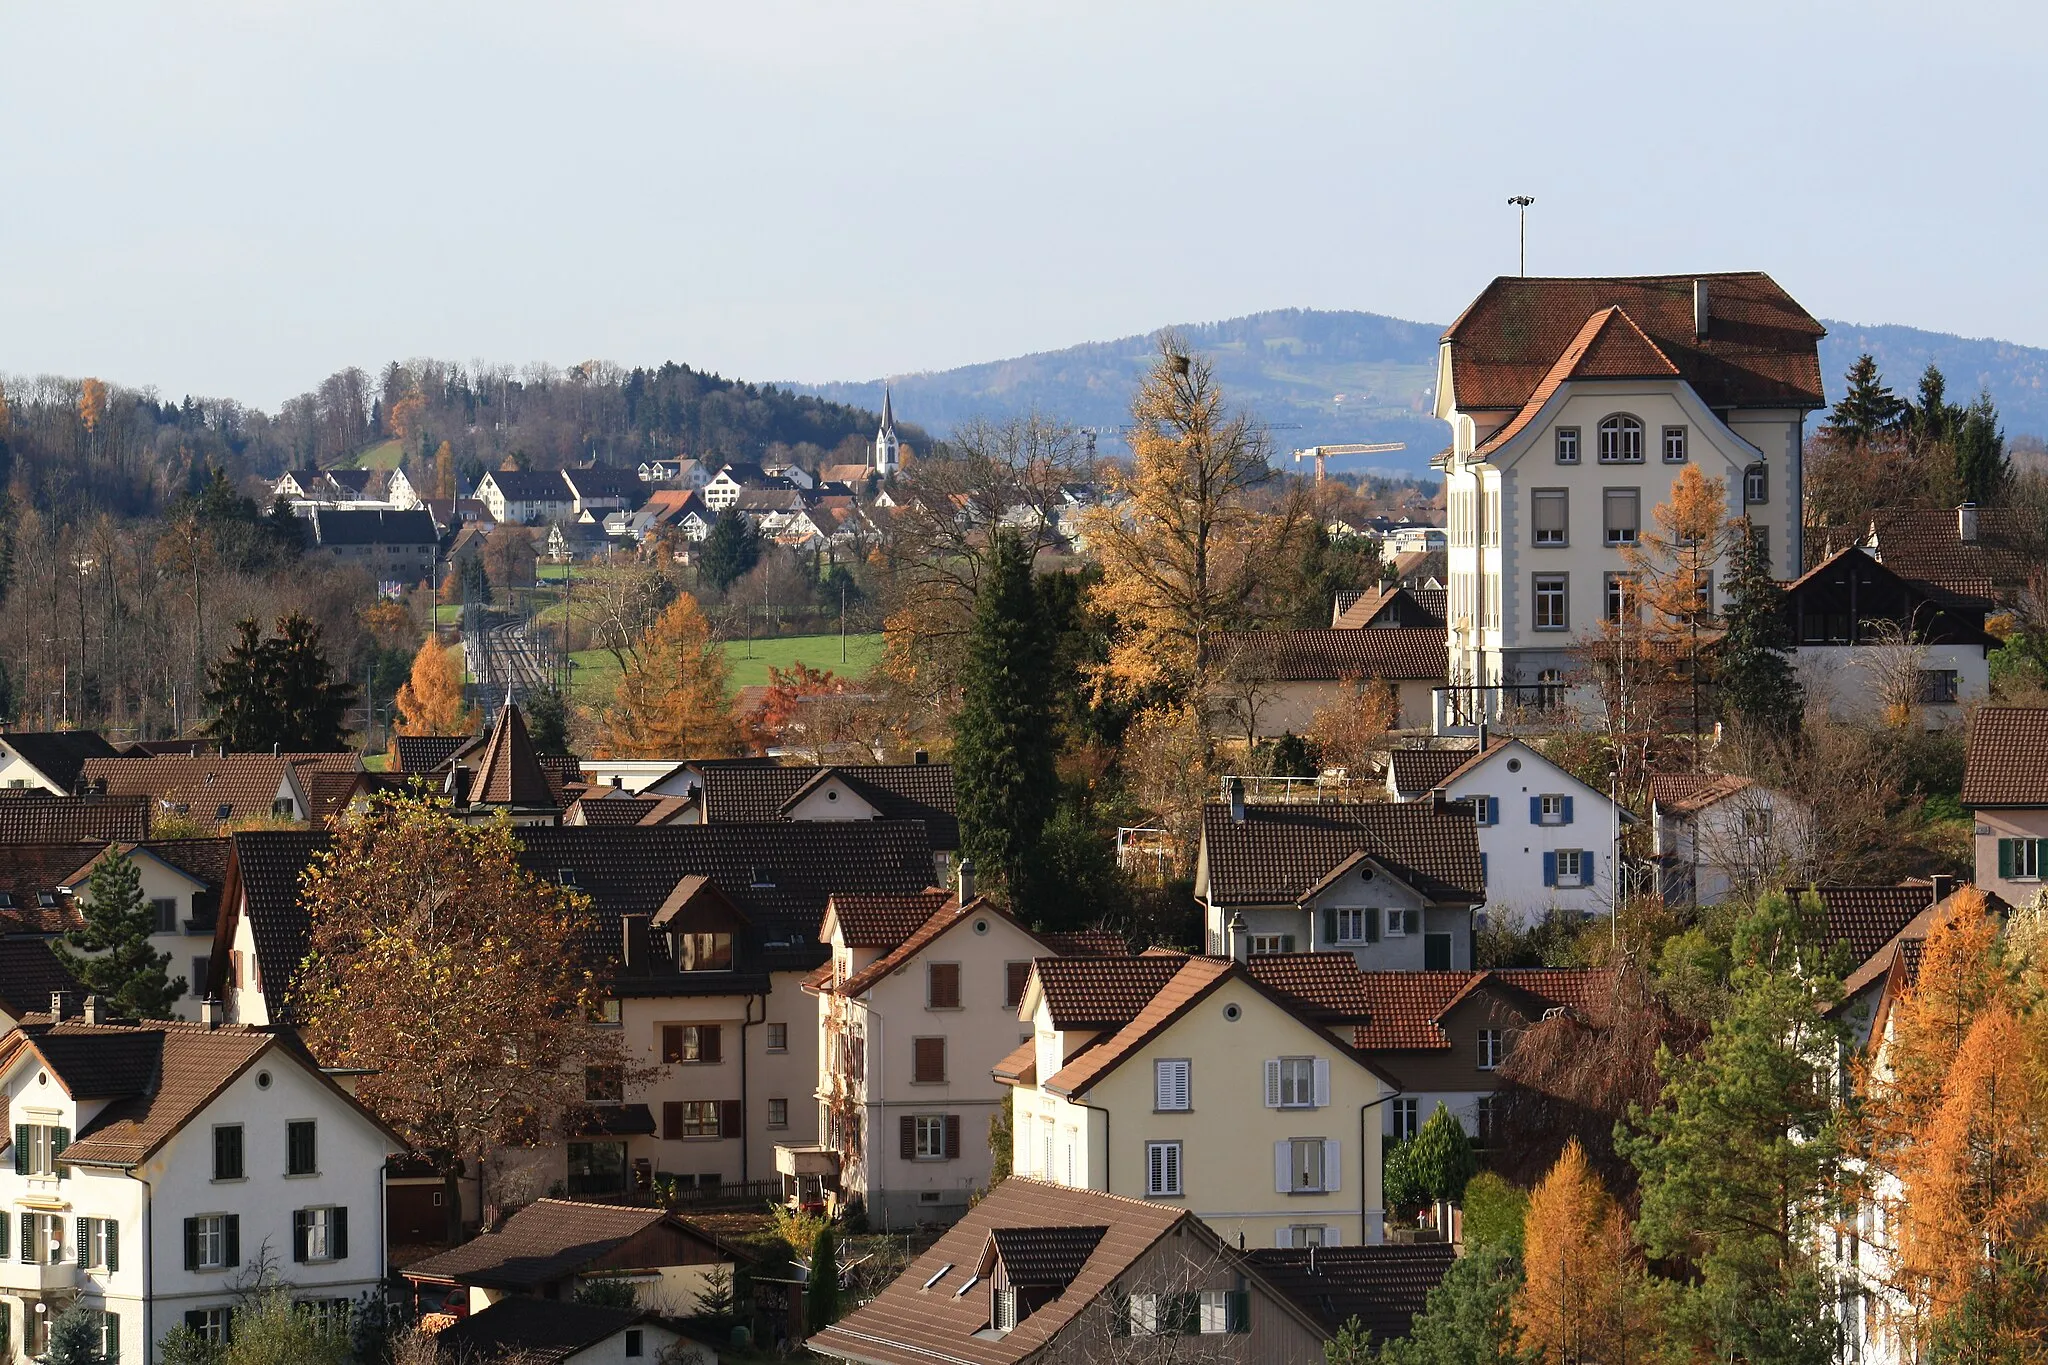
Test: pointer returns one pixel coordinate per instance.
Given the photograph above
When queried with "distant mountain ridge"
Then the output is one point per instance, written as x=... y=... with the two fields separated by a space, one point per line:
x=1290 y=366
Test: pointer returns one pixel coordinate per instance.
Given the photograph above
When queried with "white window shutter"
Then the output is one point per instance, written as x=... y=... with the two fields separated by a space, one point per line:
x=1173 y=1184
x=1163 y=1072
x=1283 y=1167
x=1333 y=1236
x=1333 y=1165
x=1273 y=1083
x=1322 y=1069
x=1182 y=1084
x=1283 y=1237
x=1156 y=1177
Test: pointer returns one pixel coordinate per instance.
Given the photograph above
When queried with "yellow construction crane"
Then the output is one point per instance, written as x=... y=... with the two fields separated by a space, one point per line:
x=1322 y=453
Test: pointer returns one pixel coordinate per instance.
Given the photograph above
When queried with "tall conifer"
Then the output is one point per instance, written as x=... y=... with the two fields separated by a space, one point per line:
x=1755 y=673
x=111 y=955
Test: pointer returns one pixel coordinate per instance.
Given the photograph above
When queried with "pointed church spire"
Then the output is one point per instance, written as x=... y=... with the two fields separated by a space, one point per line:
x=887 y=447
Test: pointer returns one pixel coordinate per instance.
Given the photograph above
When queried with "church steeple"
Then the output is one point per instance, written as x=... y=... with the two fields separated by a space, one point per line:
x=887 y=447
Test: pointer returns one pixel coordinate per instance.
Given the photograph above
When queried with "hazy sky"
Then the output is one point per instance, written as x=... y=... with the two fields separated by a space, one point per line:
x=236 y=199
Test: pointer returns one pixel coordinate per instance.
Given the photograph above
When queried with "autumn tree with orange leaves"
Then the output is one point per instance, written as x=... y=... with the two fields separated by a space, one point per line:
x=431 y=702
x=1584 y=1295
x=671 y=701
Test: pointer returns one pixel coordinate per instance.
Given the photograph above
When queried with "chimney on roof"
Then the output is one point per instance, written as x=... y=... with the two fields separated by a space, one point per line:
x=1699 y=309
x=1966 y=523
x=1944 y=886
x=920 y=757
x=636 y=949
x=1236 y=942
x=966 y=880
x=96 y=1009
x=60 y=1005
x=1484 y=730
x=209 y=1012
x=1236 y=800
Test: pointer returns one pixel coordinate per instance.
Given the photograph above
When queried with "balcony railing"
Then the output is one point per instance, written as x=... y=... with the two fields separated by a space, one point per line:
x=1463 y=708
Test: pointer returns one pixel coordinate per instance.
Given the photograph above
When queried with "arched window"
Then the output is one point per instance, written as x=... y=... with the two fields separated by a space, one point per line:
x=1621 y=440
x=1756 y=485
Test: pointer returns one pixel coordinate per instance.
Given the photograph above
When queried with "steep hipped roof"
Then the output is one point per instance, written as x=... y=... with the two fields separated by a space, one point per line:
x=548 y=1240
x=59 y=754
x=1278 y=852
x=40 y=817
x=1383 y=1287
x=509 y=774
x=2006 y=763
x=901 y=791
x=520 y=1330
x=1394 y=653
x=1761 y=348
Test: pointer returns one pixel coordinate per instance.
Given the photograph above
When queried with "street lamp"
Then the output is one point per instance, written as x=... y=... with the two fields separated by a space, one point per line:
x=1522 y=202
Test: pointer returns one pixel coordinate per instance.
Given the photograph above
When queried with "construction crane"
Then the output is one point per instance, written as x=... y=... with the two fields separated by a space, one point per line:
x=1322 y=453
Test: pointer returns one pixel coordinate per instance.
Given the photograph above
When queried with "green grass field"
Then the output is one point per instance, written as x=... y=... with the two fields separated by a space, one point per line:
x=597 y=673
x=383 y=455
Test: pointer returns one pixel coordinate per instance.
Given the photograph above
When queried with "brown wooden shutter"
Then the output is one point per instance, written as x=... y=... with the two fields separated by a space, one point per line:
x=1016 y=976
x=930 y=1060
x=906 y=1128
x=944 y=986
x=732 y=1119
x=671 y=1042
x=952 y=1137
x=708 y=1037
x=672 y=1119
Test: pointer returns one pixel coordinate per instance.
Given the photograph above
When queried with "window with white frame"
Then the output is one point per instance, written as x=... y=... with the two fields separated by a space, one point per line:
x=1567 y=445
x=1489 y=588
x=1618 y=597
x=1489 y=1049
x=1291 y=1083
x=1171 y=1083
x=1162 y=1168
x=211 y=1324
x=36 y=1148
x=1674 y=445
x=1404 y=1118
x=1305 y=1165
x=778 y=1113
x=1551 y=609
x=1623 y=514
x=1306 y=1235
x=1756 y=484
x=1621 y=440
x=1550 y=512
x=2021 y=859
x=1351 y=925
x=99 y=1244
x=1550 y=810
x=1403 y=923
x=320 y=1234
x=1571 y=867
x=778 y=1037
x=1262 y=944
x=931 y=1137
x=1489 y=531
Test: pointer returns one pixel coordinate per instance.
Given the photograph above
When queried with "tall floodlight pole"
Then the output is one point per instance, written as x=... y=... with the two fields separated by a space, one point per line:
x=1522 y=202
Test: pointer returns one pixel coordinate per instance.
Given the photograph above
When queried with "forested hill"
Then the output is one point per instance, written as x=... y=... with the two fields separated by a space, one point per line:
x=1351 y=376
x=70 y=444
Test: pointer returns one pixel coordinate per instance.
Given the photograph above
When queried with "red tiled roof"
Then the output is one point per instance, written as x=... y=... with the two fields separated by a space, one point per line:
x=2006 y=763
x=216 y=788
x=1608 y=346
x=1087 y=943
x=1422 y=770
x=1866 y=918
x=1402 y=607
x=1761 y=348
x=1195 y=978
x=1394 y=653
x=1102 y=992
x=874 y=921
x=1691 y=793
x=38 y=817
x=1019 y=1066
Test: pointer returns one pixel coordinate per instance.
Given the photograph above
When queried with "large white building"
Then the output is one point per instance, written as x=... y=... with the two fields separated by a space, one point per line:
x=154 y=1161
x=1574 y=406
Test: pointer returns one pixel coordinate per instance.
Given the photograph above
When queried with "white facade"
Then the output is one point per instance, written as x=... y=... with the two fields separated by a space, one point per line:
x=1546 y=839
x=170 y=892
x=522 y=511
x=1747 y=838
x=888 y=449
x=149 y=1286
x=1851 y=680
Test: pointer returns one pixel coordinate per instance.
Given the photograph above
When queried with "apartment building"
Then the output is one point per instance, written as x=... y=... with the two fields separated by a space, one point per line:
x=1574 y=406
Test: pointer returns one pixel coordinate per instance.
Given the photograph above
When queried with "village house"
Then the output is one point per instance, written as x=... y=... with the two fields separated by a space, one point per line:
x=1273 y=682
x=917 y=1005
x=1396 y=885
x=1187 y=1080
x=598 y=489
x=2005 y=789
x=153 y=1161
x=723 y=790
x=392 y=547
x=723 y=489
x=1039 y=1271
x=1716 y=835
x=1388 y=605
x=524 y=497
x=224 y=789
x=181 y=880
x=49 y=761
x=1988 y=553
x=555 y=1332
x=32 y=817
x=1574 y=407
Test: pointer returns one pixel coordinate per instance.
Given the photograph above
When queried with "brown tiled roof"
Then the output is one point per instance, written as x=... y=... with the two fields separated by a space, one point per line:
x=521 y=1330
x=1865 y=918
x=1691 y=793
x=1927 y=545
x=1019 y=1066
x=218 y=788
x=909 y=1324
x=1608 y=346
x=610 y=810
x=328 y=793
x=871 y=921
x=901 y=791
x=1280 y=851
x=1402 y=1010
x=29 y=972
x=948 y=914
x=1197 y=977
x=1422 y=770
x=1102 y=992
x=2006 y=763
x=509 y=773
x=548 y=1240
x=1045 y=1258
x=1389 y=606
x=34 y=882
x=1087 y=943
x=1383 y=1287
x=38 y=817
x=1761 y=348
x=427 y=753
x=1394 y=653
x=59 y=754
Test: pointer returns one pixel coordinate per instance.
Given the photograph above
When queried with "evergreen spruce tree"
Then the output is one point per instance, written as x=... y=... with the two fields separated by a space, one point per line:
x=1981 y=466
x=1468 y=1319
x=74 y=1337
x=1005 y=738
x=1755 y=668
x=110 y=955
x=1933 y=418
x=1867 y=408
x=821 y=1291
x=547 y=722
x=730 y=550
x=279 y=693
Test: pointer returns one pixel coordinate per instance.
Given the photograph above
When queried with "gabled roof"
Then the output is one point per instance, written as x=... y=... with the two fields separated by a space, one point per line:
x=1394 y=653
x=29 y=972
x=1690 y=793
x=1423 y=770
x=1383 y=1287
x=1401 y=1011
x=426 y=753
x=509 y=774
x=610 y=810
x=1389 y=605
x=530 y=485
x=1277 y=852
x=1863 y=919
x=603 y=481
x=550 y=1239
x=1608 y=346
x=900 y=791
x=373 y=526
x=1761 y=348
x=214 y=788
x=1043 y=1258
x=58 y=754
x=945 y=917
x=872 y=921
x=34 y=882
x=1102 y=992
x=2006 y=763
x=42 y=817
x=521 y=1330
x=1928 y=545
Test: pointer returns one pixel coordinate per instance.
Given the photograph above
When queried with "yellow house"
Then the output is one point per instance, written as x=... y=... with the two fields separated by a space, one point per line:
x=1184 y=1080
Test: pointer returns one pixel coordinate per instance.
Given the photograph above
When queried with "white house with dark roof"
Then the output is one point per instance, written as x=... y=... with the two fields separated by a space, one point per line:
x=1716 y=834
x=49 y=761
x=1574 y=406
x=1394 y=884
x=152 y=1162
x=1272 y=682
x=525 y=497
x=1546 y=839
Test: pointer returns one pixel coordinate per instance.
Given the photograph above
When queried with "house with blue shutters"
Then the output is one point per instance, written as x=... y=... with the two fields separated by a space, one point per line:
x=1546 y=840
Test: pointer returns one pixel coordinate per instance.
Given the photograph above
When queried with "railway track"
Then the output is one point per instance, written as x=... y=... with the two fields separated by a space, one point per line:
x=503 y=657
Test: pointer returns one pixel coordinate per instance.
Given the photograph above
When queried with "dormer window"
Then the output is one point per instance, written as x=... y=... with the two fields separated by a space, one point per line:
x=704 y=952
